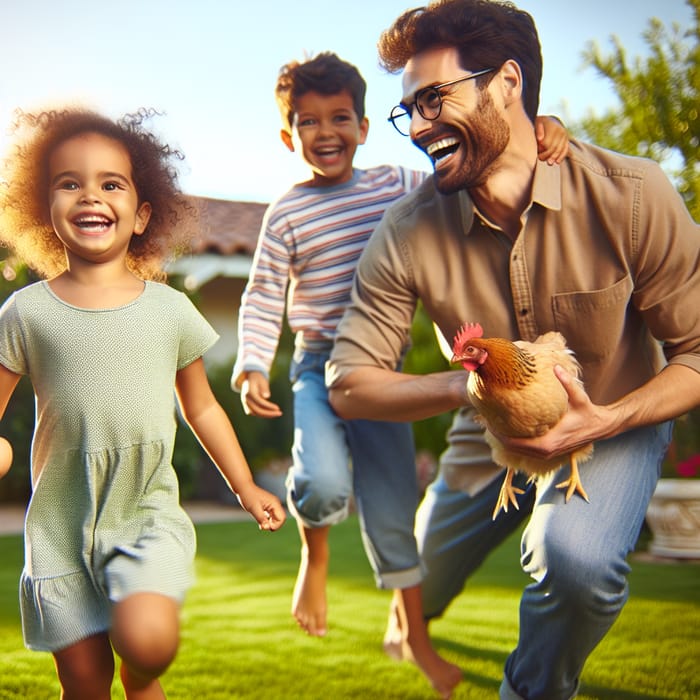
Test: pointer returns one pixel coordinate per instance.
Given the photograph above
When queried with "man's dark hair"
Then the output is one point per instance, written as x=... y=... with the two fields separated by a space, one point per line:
x=486 y=33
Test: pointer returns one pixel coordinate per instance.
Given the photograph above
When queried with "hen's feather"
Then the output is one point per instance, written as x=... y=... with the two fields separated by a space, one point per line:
x=515 y=390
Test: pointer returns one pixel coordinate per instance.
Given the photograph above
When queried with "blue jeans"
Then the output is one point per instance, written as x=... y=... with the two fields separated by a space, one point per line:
x=575 y=552
x=332 y=457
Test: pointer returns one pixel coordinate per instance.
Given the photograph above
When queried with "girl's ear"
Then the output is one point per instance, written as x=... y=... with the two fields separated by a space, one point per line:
x=287 y=139
x=143 y=216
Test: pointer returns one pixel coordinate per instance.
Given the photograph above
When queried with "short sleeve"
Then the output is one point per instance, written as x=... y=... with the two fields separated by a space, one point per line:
x=13 y=351
x=196 y=334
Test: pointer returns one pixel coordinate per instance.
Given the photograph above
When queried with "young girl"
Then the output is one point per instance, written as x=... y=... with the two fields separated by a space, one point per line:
x=93 y=206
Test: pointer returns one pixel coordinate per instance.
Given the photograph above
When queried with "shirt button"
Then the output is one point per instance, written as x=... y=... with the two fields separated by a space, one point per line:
x=523 y=312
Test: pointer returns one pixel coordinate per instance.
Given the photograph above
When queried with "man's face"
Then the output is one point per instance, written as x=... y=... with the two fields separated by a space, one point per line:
x=465 y=141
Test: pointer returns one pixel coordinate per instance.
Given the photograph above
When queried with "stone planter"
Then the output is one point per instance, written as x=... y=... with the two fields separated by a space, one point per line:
x=674 y=519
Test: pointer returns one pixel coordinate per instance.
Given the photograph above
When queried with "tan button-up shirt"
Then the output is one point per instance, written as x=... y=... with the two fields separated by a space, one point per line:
x=607 y=255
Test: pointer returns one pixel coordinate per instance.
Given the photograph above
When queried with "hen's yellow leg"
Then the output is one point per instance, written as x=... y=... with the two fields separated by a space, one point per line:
x=573 y=483
x=507 y=495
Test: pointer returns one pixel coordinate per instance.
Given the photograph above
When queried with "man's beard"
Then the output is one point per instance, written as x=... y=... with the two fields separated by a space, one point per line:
x=482 y=140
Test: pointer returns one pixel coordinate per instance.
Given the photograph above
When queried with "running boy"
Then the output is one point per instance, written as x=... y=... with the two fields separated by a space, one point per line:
x=309 y=245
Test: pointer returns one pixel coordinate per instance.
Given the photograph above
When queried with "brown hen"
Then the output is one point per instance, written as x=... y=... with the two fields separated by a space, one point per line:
x=517 y=394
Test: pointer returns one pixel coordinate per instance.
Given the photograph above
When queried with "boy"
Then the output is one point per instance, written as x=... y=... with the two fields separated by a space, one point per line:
x=311 y=240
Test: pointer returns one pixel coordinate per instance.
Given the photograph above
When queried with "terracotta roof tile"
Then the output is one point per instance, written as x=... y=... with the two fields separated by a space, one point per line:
x=227 y=227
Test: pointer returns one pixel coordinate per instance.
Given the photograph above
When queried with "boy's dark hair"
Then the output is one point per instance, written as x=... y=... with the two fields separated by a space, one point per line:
x=25 y=221
x=486 y=33
x=325 y=74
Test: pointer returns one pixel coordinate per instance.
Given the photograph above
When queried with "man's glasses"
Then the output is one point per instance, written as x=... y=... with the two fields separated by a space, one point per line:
x=428 y=102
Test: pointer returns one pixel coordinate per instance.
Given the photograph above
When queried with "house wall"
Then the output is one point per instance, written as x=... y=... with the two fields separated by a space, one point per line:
x=219 y=301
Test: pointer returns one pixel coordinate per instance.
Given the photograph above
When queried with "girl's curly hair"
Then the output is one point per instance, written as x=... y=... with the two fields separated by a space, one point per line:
x=25 y=223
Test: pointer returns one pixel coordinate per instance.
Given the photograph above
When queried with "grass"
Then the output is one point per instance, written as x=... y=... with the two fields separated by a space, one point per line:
x=239 y=641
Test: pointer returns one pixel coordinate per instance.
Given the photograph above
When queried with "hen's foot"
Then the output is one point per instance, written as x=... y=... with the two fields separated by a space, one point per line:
x=573 y=484
x=507 y=495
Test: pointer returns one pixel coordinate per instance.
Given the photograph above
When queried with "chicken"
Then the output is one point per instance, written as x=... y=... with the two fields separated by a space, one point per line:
x=513 y=387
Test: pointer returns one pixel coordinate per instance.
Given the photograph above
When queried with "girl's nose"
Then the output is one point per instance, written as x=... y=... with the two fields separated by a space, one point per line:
x=90 y=195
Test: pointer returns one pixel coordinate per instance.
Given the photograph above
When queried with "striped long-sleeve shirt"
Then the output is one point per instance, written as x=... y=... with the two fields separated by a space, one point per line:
x=309 y=245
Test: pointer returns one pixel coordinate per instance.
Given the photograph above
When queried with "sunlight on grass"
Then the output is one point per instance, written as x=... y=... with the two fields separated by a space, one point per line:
x=239 y=640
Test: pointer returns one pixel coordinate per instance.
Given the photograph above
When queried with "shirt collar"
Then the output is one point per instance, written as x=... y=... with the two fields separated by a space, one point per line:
x=546 y=191
x=546 y=185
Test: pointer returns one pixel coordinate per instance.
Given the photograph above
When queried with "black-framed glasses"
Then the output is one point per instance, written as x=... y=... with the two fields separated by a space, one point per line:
x=428 y=102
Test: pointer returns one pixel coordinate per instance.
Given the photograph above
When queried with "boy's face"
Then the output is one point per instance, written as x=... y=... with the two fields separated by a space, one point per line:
x=326 y=132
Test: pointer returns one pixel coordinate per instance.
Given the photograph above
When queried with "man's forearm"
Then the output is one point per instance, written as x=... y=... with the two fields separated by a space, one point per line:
x=379 y=394
x=673 y=392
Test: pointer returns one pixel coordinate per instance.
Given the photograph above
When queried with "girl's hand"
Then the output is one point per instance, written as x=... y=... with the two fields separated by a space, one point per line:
x=265 y=507
x=5 y=456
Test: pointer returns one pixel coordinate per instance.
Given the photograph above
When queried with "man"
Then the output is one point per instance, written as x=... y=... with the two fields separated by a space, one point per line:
x=600 y=248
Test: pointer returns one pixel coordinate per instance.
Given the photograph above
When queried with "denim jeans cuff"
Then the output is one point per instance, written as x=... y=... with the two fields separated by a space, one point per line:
x=407 y=578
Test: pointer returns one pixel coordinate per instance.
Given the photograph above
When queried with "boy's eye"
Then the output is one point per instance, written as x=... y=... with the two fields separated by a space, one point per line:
x=308 y=121
x=110 y=186
x=67 y=185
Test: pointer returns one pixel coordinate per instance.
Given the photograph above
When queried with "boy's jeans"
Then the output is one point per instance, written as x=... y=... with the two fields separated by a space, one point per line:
x=575 y=552
x=332 y=457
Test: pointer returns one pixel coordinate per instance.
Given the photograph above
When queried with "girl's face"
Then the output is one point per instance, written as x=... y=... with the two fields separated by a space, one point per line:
x=93 y=200
x=326 y=132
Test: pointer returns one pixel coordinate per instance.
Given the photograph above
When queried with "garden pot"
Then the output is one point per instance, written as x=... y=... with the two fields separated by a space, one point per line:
x=674 y=519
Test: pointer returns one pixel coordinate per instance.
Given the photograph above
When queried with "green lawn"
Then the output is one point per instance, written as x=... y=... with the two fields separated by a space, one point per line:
x=239 y=640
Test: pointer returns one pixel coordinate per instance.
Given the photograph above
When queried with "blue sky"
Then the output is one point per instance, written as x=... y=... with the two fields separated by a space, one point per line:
x=211 y=67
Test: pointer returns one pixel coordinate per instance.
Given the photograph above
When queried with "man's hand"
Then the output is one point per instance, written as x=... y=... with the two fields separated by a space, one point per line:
x=584 y=422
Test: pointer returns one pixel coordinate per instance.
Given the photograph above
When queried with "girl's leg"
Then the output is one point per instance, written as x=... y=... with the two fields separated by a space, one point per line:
x=145 y=634
x=86 y=669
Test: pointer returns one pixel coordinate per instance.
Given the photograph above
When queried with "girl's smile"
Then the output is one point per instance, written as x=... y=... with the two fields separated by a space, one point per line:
x=93 y=200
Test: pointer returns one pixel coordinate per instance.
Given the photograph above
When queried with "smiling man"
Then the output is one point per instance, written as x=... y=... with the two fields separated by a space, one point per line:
x=600 y=248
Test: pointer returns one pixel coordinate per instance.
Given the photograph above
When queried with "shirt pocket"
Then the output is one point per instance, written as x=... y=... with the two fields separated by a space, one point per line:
x=593 y=322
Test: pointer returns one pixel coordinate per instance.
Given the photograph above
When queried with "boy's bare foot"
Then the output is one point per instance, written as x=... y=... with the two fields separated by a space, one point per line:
x=443 y=675
x=309 y=605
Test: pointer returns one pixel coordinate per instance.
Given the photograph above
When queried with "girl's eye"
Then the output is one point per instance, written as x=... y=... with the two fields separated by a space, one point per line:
x=110 y=186
x=67 y=185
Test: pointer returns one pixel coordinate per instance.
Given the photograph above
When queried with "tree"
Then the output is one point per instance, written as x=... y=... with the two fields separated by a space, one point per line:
x=658 y=115
x=657 y=118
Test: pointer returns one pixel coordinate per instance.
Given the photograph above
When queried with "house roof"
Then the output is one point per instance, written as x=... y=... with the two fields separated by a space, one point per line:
x=225 y=244
x=227 y=227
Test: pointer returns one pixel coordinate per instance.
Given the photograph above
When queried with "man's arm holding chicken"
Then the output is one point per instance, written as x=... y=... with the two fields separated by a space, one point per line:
x=375 y=393
x=363 y=383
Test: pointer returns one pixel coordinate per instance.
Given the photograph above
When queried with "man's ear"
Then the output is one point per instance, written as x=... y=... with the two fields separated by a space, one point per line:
x=287 y=139
x=511 y=81
x=143 y=216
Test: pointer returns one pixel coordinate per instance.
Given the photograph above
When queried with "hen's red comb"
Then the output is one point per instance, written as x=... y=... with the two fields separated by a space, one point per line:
x=465 y=334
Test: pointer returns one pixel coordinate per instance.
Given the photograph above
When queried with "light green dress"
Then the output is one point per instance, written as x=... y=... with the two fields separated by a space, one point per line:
x=104 y=520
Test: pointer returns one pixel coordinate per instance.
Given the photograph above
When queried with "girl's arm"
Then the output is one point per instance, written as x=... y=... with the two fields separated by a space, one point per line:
x=213 y=429
x=8 y=382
